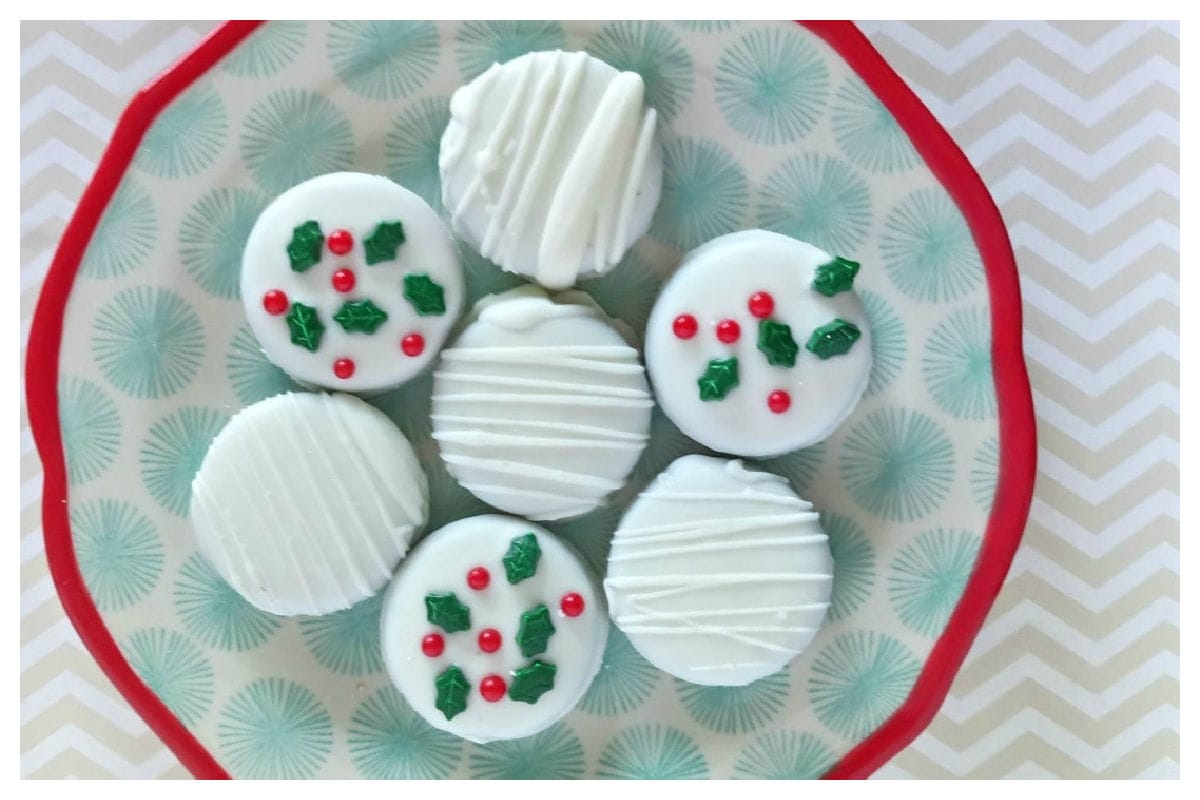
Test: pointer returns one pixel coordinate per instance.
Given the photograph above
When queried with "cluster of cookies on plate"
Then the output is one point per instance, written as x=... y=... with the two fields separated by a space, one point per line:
x=492 y=627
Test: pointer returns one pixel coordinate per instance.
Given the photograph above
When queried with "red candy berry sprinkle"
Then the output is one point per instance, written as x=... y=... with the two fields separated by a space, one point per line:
x=343 y=368
x=761 y=305
x=340 y=242
x=275 y=302
x=343 y=280
x=685 y=326
x=489 y=640
x=493 y=688
x=478 y=578
x=728 y=331
x=779 y=401
x=413 y=344
x=571 y=604
x=433 y=644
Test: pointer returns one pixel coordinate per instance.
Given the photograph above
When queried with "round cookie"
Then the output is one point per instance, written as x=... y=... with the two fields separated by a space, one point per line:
x=351 y=282
x=539 y=406
x=719 y=575
x=493 y=628
x=305 y=502
x=551 y=166
x=758 y=344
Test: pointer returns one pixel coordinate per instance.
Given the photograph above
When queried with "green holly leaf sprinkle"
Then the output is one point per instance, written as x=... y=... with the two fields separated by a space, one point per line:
x=304 y=250
x=833 y=339
x=719 y=378
x=532 y=681
x=776 y=343
x=447 y=612
x=452 y=690
x=535 y=631
x=836 y=276
x=306 y=326
x=360 y=315
x=382 y=243
x=521 y=560
x=426 y=296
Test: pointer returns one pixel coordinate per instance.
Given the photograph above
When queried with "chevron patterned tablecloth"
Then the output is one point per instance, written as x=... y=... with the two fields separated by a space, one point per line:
x=1075 y=128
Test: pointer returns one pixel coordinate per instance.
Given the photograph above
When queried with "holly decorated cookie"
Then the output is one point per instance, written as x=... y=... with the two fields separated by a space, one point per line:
x=351 y=282
x=305 y=502
x=551 y=165
x=493 y=628
x=758 y=345
x=540 y=407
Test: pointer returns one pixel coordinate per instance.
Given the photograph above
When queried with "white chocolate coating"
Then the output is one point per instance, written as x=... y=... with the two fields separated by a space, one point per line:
x=551 y=166
x=440 y=564
x=540 y=408
x=714 y=283
x=305 y=502
x=719 y=575
x=355 y=202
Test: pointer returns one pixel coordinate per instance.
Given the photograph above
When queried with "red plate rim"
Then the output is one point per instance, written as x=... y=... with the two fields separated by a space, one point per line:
x=1018 y=432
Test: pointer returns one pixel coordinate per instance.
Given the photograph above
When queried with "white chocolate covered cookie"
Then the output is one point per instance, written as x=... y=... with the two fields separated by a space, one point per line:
x=305 y=502
x=719 y=575
x=493 y=628
x=540 y=408
x=351 y=282
x=551 y=166
x=758 y=345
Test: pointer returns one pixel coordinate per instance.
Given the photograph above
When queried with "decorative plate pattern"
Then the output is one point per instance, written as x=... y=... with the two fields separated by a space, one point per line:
x=763 y=124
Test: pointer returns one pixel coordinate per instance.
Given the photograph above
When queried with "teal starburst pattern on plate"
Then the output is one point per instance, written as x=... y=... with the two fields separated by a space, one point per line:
x=590 y=534
x=928 y=575
x=482 y=276
x=292 y=135
x=390 y=741
x=772 y=85
x=409 y=407
x=274 y=728
x=384 y=60
x=624 y=681
x=927 y=248
x=666 y=444
x=627 y=291
x=858 y=680
x=268 y=50
x=784 y=756
x=250 y=374
x=957 y=365
x=889 y=341
x=479 y=44
x=448 y=500
x=853 y=565
x=125 y=235
x=555 y=754
x=735 y=709
x=898 y=464
x=186 y=137
x=412 y=144
x=213 y=235
x=800 y=467
x=817 y=199
x=215 y=613
x=704 y=194
x=171 y=454
x=652 y=752
x=148 y=342
x=706 y=25
x=91 y=429
x=867 y=132
x=346 y=642
x=118 y=551
x=651 y=50
x=174 y=668
x=984 y=467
